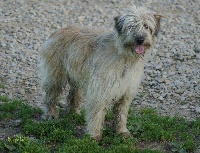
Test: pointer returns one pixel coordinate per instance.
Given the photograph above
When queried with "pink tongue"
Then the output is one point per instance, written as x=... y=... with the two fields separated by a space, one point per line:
x=139 y=49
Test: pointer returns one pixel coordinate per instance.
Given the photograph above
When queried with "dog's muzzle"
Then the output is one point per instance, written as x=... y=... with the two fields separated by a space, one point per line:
x=139 y=40
x=139 y=47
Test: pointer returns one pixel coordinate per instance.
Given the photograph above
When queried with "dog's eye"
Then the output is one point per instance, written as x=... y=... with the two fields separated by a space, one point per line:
x=130 y=27
x=146 y=26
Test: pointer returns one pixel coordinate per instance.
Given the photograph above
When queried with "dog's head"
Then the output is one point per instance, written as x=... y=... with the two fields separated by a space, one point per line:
x=137 y=29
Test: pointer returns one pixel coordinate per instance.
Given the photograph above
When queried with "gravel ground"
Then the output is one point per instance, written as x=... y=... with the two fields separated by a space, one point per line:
x=172 y=78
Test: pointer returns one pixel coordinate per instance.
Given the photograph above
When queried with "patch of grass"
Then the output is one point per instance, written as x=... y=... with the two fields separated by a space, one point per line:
x=49 y=129
x=109 y=115
x=10 y=106
x=14 y=109
x=1 y=85
x=65 y=134
x=177 y=148
x=21 y=143
x=148 y=126
x=184 y=102
x=7 y=109
x=80 y=145
x=142 y=94
x=4 y=99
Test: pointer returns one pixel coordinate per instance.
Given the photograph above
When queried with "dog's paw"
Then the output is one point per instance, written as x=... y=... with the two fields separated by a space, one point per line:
x=49 y=116
x=126 y=134
x=97 y=138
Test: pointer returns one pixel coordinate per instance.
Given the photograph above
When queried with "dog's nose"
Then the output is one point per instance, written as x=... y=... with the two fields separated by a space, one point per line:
x=140 y=40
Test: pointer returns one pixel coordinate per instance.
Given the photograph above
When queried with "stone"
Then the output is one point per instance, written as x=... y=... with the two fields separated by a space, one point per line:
x=161 y=98
x=197 y=109
x=184 y=107
x=22 y=91
x=81 y=18
x=197 y=49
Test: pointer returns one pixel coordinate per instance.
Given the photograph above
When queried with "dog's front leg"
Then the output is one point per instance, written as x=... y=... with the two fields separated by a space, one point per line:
x=97 y=98
x=94 y=120
x=120 y=111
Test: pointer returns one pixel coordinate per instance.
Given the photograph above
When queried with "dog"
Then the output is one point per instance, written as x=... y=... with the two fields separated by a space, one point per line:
x=101 y=67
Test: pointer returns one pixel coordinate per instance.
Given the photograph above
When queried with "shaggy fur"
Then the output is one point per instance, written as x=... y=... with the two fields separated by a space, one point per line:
x=101 y=67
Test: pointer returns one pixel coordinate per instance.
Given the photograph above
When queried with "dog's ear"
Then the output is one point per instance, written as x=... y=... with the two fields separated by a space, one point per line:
x=119 y=22
x=157 y=19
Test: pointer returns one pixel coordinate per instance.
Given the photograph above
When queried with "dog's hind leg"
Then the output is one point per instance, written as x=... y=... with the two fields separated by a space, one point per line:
x=74 y=98
x=51 y=86
x=53 y=79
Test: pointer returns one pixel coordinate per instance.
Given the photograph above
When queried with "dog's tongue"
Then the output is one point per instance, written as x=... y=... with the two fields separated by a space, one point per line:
x=139 y=49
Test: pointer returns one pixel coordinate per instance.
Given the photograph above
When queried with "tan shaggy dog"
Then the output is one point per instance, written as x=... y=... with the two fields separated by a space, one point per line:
x=101 y=67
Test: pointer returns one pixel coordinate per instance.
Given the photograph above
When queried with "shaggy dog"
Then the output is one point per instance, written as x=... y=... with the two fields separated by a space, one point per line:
x=101 y=67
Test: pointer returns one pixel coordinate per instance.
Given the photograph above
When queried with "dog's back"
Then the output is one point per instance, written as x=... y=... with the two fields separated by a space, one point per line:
x=60 y=47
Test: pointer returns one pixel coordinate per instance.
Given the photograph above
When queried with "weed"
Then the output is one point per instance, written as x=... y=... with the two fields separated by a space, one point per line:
x=184 y=102
x=14 y=109
x=142 y=94
x=20 y=143
x=1 y=85
x=148 y=126
x=4 y=99
x=177 y=148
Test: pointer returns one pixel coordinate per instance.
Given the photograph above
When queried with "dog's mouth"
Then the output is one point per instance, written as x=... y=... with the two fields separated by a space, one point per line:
x=140 y=49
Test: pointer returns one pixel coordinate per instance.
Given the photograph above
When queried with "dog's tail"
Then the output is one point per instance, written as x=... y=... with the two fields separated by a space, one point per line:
x=52 y=70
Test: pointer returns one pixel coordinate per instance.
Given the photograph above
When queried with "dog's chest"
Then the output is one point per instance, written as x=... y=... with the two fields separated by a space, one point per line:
x=132 y=74
x=127 y=80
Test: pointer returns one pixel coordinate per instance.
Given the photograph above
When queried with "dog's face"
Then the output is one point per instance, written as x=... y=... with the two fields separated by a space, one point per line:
x=137 y=29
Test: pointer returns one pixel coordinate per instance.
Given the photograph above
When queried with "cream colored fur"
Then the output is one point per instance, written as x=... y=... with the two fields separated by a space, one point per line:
x=101 y=68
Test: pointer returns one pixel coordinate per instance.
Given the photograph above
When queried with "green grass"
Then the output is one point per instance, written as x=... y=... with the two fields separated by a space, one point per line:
x=4 y=98
x=16 y=109
x=148 y=126
x=21 y=143
x=65 y=134
x=1 y=85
